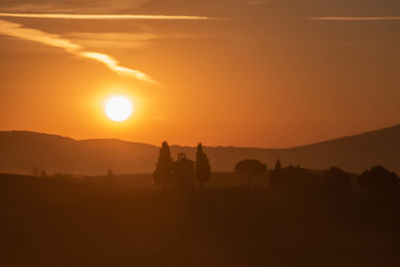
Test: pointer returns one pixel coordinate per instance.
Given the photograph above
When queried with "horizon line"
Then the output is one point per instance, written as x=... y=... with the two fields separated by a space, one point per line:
x=214 y=146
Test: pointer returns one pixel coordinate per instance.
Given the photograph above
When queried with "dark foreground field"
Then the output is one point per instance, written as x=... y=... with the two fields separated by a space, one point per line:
x=48 y=222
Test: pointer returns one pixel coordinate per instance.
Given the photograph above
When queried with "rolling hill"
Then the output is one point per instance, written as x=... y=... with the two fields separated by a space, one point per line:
x=20 y=151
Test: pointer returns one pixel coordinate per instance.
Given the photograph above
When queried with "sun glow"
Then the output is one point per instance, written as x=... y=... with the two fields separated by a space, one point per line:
x=118 y=108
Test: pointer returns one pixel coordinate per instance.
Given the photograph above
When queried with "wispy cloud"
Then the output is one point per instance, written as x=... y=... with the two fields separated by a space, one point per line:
x=53 y=40
x=71 y=6
x=68 y=6
x=77 y=45
x=260 y=2
x=17 y=31
x=122 y=40
x=113 y=65
x=36 y=8
x=355 y=18
x=113 y=39
x=104 y=17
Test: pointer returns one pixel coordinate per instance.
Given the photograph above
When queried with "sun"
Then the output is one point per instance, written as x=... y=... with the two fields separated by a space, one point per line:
x=118 y=108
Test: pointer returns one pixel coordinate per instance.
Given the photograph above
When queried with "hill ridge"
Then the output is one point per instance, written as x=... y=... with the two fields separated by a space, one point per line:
x=396 y=126
x=20 y=151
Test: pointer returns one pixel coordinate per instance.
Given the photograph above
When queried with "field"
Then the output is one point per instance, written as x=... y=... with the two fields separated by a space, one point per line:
x=129 y=222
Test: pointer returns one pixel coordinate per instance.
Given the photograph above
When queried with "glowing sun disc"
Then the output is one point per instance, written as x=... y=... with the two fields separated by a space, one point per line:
x=118 y=108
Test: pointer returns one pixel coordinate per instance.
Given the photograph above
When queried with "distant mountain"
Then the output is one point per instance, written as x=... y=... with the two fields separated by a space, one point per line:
x=21 y=151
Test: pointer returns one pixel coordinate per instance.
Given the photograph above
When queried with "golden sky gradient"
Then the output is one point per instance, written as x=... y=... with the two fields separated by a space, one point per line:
x=272 y=73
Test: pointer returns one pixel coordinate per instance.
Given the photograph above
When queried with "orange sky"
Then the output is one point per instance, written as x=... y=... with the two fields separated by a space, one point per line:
x=243 y=73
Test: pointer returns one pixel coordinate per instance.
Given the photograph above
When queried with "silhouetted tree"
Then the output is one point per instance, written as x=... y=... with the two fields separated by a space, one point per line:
x=203 y=169
x=275 y=174
x=250 y=167
x=110 y=173
x=164 y=167
x=379 y=180
x=337 y=181
x=43 y=174
x=278 y=165
x=297 y=181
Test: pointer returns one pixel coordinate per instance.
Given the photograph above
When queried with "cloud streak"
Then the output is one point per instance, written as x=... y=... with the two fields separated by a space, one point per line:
x=113 y=65
x=356 y=18
x=261 y=2
x=103 y=17
x=121 y=40
x=18 y=31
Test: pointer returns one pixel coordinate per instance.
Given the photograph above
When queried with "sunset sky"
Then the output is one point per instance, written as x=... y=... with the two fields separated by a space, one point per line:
x=265 y=73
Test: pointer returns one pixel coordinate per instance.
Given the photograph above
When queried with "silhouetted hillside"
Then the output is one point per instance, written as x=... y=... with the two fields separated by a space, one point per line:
x=21 y=151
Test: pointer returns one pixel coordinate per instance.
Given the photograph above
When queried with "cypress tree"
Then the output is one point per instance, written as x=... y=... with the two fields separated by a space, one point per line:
x=278 y=165
x=203 y=168
x=164 y=167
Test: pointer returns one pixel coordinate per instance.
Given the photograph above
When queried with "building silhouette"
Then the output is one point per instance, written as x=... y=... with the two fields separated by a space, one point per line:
x=183 y=172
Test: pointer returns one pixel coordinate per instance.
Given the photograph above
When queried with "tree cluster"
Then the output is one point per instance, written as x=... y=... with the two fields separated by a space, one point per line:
x=379 y=181
x=296 y=180
x=181 y=172
x=251 y=167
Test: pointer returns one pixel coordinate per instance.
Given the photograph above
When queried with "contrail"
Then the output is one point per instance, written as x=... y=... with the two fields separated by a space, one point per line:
x=104 y=17
x=18 y=31
x=355 y=18
x=112 y=64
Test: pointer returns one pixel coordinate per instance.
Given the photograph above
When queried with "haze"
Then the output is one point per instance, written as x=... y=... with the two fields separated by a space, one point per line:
x=274 y=73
